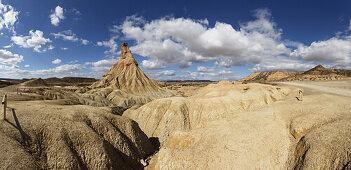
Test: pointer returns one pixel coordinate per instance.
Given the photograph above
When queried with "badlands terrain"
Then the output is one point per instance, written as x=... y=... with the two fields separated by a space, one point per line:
x=269 y=120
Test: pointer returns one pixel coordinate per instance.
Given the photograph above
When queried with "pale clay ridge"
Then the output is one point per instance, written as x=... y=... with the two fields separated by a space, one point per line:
x=56 y=135
x=317 y=73
x=248 y=126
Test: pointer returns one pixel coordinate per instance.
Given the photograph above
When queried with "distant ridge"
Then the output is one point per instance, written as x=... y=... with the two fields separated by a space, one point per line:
x=316 y=73
x=188 y=81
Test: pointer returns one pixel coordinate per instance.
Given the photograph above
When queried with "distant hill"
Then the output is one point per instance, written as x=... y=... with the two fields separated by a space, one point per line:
x=317 y=73
x=68 y=81
x=7 y=79
x=187 y=81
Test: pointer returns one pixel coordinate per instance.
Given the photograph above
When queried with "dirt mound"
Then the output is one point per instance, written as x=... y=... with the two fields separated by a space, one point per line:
x=5 y=83
x=317 y=73
x=162 y=117
x=78 y=79
x=34 y=83
x=125 y=84
x=269 y=76
x=287 y=134
x=126 y=75
x=70 y=81
x=54 y=135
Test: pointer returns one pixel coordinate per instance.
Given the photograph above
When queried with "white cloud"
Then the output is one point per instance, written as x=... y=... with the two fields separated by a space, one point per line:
x=8 y=46
x=112 y=44
x=350 y=25
x=8 y=58
x=27 y=65
x=8 y=17
x=220 y=74
x=51 y=47
x=183 y=41
x=283 y=63
x=102 y=66
x=57 y=61
x=160 y=74
x=56 y=16
x=59 y=71
x=35 y=40
x=85 y=42
x=336 y=51
x=152 y=64
x=204 y=69
x=64 y=48
x=68 y=35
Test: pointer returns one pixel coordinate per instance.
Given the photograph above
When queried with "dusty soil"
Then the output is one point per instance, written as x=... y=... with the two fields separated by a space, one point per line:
x=271 y=130
x=221 y=125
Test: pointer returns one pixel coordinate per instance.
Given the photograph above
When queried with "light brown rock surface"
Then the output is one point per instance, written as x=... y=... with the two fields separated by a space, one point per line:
x=126 y=85
x=317 y=73
x=34 y=83
x=126 y=75
x=162 y=117
x=271 y=130
x=54 y=135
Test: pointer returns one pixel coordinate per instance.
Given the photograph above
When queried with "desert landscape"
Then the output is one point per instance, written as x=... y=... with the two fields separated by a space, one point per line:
x=175 y=85
x=128 y=121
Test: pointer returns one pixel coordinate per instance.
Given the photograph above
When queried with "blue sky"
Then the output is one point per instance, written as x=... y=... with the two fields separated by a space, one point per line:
x=172 y=39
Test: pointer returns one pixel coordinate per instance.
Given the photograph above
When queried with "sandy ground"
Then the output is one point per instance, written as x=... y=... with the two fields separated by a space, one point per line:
x=336 y=87
x=282 y=133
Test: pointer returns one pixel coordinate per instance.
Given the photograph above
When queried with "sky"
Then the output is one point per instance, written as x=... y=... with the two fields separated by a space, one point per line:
x=174 y=39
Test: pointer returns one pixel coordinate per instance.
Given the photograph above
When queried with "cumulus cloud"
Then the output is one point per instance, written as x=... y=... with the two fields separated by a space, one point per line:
x=68 y=35
x=8 y=46
x=9 y=58
x=183 y=41
x=85 y=42
x=101 y=66
x=59 y=71
x=204 y=69
x=56 y=16
x=283 y=63
x=51 y=47
x=35 y=40
x=57 y=61
x=219 y=74
x=27 y=65
x=160 y=74
x=8 y=17
x=111 y=44
x=336 y=51
x=152 y=64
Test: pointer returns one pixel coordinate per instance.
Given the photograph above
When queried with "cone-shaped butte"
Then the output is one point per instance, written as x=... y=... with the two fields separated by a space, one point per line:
x=125 y=78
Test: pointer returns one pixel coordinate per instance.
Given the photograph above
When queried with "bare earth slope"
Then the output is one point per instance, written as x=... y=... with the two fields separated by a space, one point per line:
x=54 y=135
x=317 y=73
x=125 y=84
x=249 y=126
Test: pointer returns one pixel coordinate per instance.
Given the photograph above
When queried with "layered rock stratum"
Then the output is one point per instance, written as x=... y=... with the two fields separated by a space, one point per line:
x=230 y=125
x=126 y=85
x=55 y=134
x=317 y=73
